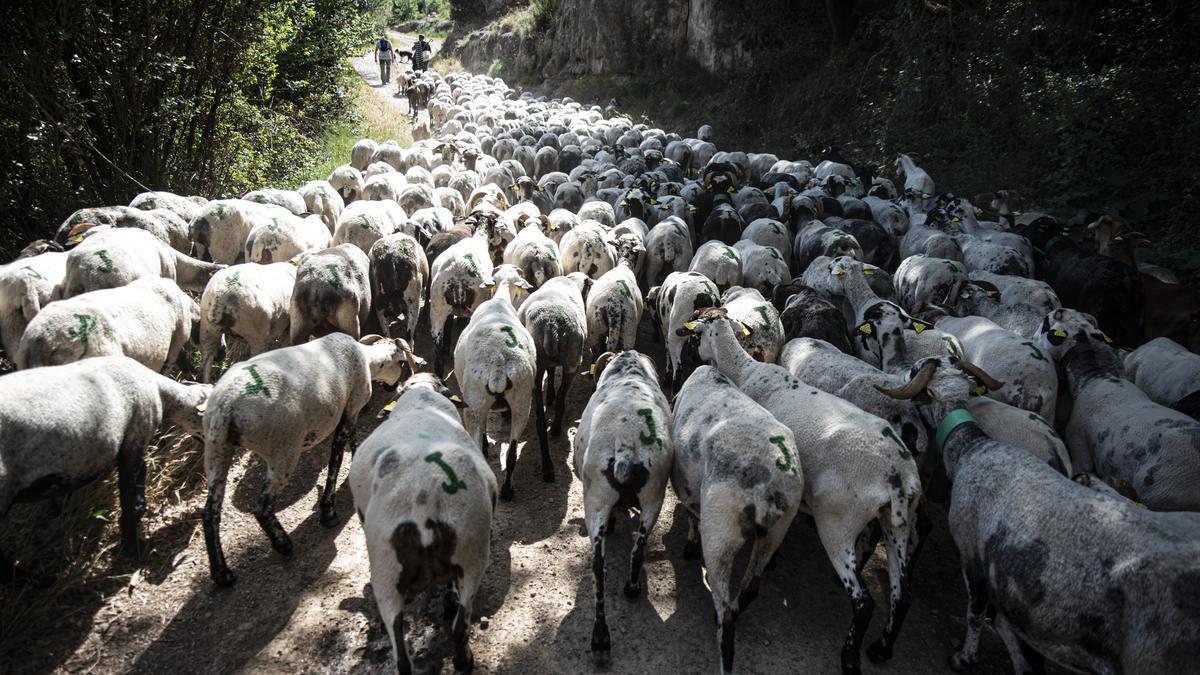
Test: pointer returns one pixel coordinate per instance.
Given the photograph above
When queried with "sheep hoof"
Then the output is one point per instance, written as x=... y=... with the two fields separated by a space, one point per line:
x=223 y=577
x=328 y=518
x=632 y=590
x=959 y=663
x=466 y=664
x=283 y=547
x=879 y=652
x=506 y=493
x=691 y=550
x=132 y=548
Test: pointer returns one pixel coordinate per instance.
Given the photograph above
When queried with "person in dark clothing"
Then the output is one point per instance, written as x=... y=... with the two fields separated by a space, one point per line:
x=420 y=49
x=383 y=56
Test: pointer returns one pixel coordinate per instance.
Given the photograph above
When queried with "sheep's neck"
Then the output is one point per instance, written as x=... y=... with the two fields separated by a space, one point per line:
x=177 y=399
x=858 y=292
x=1086 y=362
x=962 y=440
x=728 y=355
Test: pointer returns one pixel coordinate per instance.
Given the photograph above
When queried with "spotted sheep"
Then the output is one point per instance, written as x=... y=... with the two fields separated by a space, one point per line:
x=495 y=361
x=821 y=365
x=425 y=497
x=747 y=306
x=1028 y=369
x=623 y=455
x=838 y=446
x=919 y=188
x=555 y=317
x=332 y=293
x=1102 y=586
x=117 y=406
x=115 y=257
x=281 y=403
x=770 y=232
x=1168 y=373
x=459 y=276
x=672 y=304
x=399 y=271
x=249 y=301
x=219 y=232
x=738 y=474
x=923 y=280
x=26 y=286
x=881 y=328
x=1114 y=428
x=998 y=252
x=817 y=239
x=149 y=320
x=668 y=250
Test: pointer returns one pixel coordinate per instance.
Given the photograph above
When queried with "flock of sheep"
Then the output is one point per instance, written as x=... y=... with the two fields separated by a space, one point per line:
x=835 y=345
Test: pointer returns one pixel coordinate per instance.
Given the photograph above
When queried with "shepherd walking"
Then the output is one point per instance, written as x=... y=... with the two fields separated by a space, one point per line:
x=383 y=56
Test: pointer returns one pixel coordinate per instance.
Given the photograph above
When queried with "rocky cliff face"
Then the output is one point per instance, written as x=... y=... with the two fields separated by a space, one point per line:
x=616 y=37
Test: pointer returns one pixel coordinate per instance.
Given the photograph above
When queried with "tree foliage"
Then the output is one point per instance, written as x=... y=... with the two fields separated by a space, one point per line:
x=209 y=97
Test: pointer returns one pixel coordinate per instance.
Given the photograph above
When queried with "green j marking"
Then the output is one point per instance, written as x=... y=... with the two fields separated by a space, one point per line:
x=786 y=463
x=87 y=324
x=512 y=337
x=651 y=434
x=108 y=264
x=473 y=270
x=455 y=484
x=334 y=279
x=256 y=386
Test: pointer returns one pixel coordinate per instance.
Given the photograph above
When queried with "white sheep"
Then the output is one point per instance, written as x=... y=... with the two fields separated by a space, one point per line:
x=719 y=262
x=361 y=153
x=668 y=249
x=322 y=199
x=494 y=363
x=738 y=474
x=763 y=267
x=220 y=231
x=115 y=257
x=116 y=406
x=366 y=221
x=535 y=254
x=586 y=249
x=249 y=301
x=623 y=454
x=1168 y=373
x=26 y=285
x=672 y=304
x=149 y=320
x=332 y=293
x=856 y=472
x=425 y=497
x=458 y=278
x=279 y=404
x=185 y=207
x=614 y=310
x=770 y=232
x=348 y=182
x=283 y=238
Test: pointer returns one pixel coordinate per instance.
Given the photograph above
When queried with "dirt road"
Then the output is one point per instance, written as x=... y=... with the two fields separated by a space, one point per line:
x=314 y=613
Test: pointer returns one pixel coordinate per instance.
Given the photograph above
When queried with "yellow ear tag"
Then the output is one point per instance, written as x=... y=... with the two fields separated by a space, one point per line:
x=865 y=328
x=295 y=261
x=954 y=220
x=929 y=393
x=454 y=398
x=745 y=330
x=691 y=209
x=653 y=202
x=980 y=390
x=1107 y=340
x=592 y=370
x=76 y=239
x=995 y=295
x=869 y=271
x=841 y=274
x=389 y=407
x=1058 y=332
x=918 y=327
x=729 y=189
x=691 y=325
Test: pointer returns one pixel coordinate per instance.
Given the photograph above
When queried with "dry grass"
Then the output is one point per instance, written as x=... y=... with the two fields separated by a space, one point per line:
x=372 y=116
x=76 y=539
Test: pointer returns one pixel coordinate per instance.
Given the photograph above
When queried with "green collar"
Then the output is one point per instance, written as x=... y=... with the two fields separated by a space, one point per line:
x=951 y=422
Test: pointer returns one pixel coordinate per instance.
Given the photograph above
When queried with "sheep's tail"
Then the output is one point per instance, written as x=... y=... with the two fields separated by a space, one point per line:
x=498 y=381
x=218 y=312
x=627 y=469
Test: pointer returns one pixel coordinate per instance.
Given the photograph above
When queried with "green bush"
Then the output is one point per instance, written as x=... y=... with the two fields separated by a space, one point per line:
x=545 y=12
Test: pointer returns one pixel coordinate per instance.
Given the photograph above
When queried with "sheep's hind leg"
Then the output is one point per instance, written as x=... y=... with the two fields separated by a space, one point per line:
x=597 y=505
x=977 y=602
x=277 y=477
x=510 y=463
x=560 y=403
x=839 y=540
x=216 y=468
x=131 y=483
x=343 y=435
x=539 y=411
x=651 y=506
